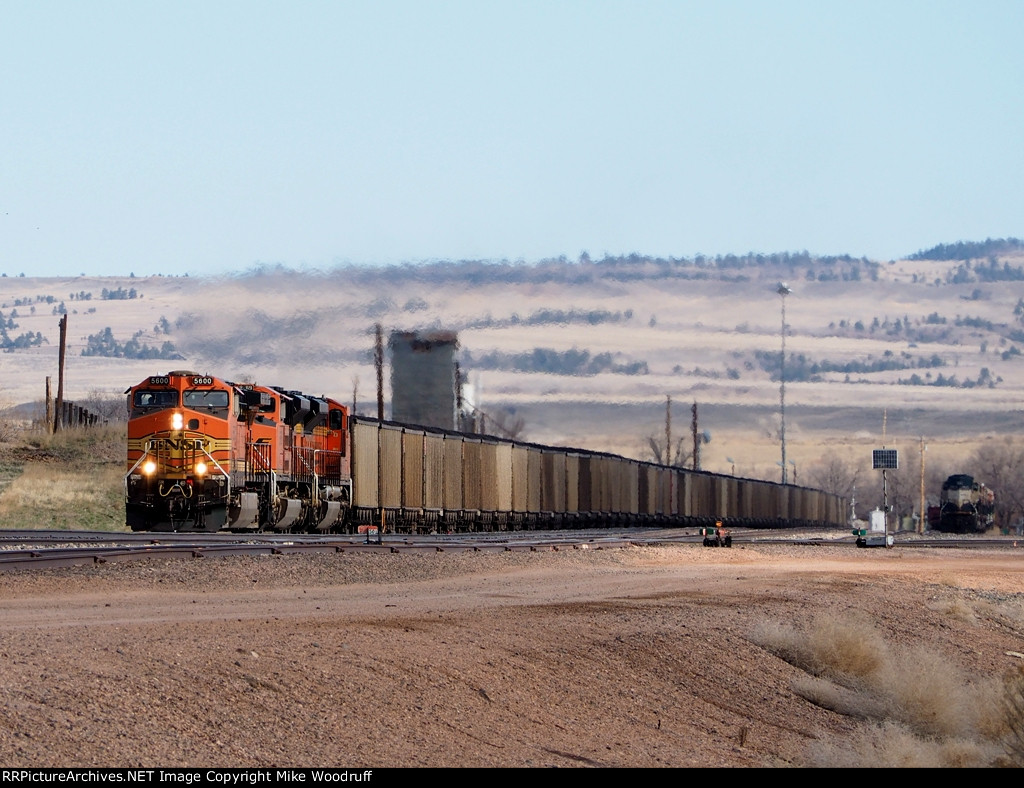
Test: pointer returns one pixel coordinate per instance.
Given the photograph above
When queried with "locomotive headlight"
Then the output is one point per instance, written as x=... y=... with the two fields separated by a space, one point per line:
x=149 y=467
x=177 y=421
x=200 y=469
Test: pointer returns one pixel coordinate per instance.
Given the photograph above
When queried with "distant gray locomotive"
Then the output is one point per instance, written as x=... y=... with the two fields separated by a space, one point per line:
x=206 y=454
x=966 y=506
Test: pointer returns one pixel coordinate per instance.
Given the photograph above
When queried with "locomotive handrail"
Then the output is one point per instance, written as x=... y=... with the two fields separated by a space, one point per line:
x=317 y=477
x=257 y=454
x=219 y=467
x=320 y=458
x=299 y=453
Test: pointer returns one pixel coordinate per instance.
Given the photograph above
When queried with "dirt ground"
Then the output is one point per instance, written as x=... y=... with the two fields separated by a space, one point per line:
x=620 y=657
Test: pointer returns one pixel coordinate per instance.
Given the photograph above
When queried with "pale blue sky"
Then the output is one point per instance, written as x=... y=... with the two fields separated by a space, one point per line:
x=208 y=137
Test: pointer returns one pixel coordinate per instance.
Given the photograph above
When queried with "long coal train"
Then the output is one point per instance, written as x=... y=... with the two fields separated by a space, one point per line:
x=206 y=454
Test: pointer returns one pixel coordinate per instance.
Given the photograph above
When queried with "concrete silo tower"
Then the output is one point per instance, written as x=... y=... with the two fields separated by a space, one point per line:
x=424 y=378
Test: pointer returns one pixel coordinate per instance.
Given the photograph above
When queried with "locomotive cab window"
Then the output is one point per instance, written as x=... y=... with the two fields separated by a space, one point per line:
x=337 y=423
x=155 y=400
x=215 y=401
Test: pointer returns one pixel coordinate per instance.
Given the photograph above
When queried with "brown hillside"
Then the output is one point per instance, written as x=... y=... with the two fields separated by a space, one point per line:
x=697 y=335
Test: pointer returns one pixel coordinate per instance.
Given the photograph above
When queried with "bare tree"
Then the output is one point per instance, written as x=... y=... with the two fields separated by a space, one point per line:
x=676 y=457
x=901 y=490
x=999 y=465
x=506 y=424
x=834 y=473
x=108 y=407
x=10 y=425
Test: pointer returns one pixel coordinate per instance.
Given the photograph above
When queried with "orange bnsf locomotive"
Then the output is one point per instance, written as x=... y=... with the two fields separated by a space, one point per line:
x=205 y=454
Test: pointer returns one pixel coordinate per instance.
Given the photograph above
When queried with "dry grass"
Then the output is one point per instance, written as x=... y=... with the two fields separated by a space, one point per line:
x=918 y=712
x=1013 y=706
x=955 y=608
x=850 y=646
x=72 y=480
x=53 y=498
x=891 y=745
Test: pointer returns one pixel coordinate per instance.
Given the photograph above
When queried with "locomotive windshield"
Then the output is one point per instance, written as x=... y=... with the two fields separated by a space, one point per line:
x=155 y=400
x=213 y=400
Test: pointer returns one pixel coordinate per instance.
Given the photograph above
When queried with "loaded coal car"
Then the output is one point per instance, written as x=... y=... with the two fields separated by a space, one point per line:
x=206 y=454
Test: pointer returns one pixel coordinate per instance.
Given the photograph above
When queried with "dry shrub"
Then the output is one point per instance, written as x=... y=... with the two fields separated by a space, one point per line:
x=955 y=608
x=846 y=646
x=891 y=745
x=926 y=714
x=927 y=695
x=834 y=697
x=783 y=640
x=1013 y=708
x=84 y=446
x=1011 y=611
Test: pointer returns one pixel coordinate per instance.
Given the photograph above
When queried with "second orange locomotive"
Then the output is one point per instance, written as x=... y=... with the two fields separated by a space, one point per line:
x=206 y=454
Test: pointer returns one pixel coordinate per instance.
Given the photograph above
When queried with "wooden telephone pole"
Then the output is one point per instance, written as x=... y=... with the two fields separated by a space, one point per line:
x=59 y=409
x=378 y=360
x=49 y=405
x=668 y=429
x=923 y=512
x=696 y=440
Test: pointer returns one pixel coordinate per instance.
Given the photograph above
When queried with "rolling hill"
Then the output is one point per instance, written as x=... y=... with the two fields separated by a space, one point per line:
x=585 y=353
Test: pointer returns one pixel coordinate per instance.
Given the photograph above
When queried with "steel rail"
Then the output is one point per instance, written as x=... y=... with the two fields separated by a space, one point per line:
x=85 y=548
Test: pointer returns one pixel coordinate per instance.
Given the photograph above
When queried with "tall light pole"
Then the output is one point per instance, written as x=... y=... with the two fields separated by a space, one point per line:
x=783 y=290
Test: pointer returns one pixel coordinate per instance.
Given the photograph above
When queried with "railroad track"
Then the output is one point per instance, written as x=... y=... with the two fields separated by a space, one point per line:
x=27 y=550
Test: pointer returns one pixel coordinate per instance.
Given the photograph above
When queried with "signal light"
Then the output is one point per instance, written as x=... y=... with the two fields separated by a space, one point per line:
x=200 y=469
x=149 y=467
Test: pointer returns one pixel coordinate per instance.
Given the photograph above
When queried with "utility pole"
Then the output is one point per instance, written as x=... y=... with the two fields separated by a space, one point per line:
x=783 y=290
x=885 y=494
x=458 y=397
x=59 y=408
x=696 y=442
x=49 y=404
x=668 y=429
x=923 y=513
x=378 y=360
